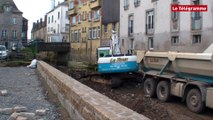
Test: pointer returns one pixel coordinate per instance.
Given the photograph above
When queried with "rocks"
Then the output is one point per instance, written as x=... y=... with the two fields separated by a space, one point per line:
x=20 y=113
x=6 y=111
x=13 y=116
x=19 y=109
x=3 y=92
x=41 y=112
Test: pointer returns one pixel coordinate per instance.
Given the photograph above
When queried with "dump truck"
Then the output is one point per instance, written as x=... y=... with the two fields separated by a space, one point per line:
x=185 y=75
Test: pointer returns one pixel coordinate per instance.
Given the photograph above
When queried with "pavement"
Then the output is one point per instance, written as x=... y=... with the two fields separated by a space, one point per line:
x=23 y=89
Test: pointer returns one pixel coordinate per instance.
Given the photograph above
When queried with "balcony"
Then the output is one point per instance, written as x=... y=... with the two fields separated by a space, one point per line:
x=73 y=11
x=95 y=3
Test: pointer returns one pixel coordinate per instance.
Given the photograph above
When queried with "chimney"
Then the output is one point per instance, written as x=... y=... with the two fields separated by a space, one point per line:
x=41 y=23
x=52 y=4
x=37 y=25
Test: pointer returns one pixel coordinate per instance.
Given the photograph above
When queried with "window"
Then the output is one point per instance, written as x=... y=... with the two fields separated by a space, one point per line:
x=150 y=43
x=14 y=21
x=76 y=36
x=90 y=16
x=52 y=19
x=94 y=33
x=99 y=32
x=126 y=4
x=150 y=22
x=79 y=3
x=105 y=28
x=48 y=29
x=196 y=17
x=71 y=5
x=174 y=40
x=84 y=15
x=73 y=20
x=79 y=18
x=175 y=19
x=58 y=15
x=131 y=23
x=4 y=33
x=90 y=33
x=48 y=19
x=96 y=15
x=67 y=28
x=7 y=9
x=137 y=3
x=196 y=39
x=14 y=34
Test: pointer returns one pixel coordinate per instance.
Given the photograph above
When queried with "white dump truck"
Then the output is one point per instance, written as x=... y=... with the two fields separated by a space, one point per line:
x=185 y=75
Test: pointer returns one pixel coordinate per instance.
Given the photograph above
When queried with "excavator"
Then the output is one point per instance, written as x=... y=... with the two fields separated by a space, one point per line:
x=112 y=63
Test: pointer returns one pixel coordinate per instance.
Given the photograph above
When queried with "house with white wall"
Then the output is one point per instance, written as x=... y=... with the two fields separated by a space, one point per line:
x=151 y=25
x=58 y=24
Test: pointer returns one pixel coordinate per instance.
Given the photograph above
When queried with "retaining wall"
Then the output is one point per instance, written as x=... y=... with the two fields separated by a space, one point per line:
x=82 y=102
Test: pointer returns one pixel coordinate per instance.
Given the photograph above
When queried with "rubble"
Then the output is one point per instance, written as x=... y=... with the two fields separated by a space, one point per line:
x=19 y=109
x=6 y=111
x=41 y=112
x=13 y=116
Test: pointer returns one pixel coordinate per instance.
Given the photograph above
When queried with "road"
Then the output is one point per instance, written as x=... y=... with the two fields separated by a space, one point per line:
x=25 y=89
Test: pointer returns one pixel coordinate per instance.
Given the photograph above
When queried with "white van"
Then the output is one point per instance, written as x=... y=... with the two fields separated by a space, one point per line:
x=3 y=52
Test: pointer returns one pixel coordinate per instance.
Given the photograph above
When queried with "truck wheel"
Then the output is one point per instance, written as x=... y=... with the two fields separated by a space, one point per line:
x=149 y=87
x=163 y=91
x=115 y=82
x=194 y=101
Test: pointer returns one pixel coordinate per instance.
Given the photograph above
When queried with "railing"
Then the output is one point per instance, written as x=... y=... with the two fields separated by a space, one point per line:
x=54 y=47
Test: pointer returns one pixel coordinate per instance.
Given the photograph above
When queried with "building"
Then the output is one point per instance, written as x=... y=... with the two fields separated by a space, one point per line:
x=91 y=23
x=39 y=29
x=150 y=25
x=10 y=24
x=24 y=31
x=58 y=24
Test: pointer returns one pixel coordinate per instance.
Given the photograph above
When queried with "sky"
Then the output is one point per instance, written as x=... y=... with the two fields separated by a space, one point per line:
x=33 y=10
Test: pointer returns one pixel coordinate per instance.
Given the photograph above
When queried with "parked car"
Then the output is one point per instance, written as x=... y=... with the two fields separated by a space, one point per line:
x=3 y=52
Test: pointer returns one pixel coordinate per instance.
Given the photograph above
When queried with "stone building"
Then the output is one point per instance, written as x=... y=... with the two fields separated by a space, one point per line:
x=10 y=24
x=91 y=23
x=151 y=25
x=39 y=29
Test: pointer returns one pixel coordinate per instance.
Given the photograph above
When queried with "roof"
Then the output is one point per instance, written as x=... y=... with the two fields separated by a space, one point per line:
x=9 y=2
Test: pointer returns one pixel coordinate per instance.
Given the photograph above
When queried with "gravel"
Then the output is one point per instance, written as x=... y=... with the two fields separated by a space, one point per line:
x=24 y=89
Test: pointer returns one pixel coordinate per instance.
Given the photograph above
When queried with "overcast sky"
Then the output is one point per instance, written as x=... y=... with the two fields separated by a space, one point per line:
x=33 y=10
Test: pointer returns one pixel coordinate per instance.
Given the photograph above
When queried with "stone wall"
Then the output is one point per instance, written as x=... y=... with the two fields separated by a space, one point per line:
x=82 y=102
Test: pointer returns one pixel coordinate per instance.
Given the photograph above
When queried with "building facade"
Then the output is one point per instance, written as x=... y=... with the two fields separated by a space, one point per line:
x=24 y=31
x=58 y=24
x=150 y=25
x=91 y=23
x=39 y=29
x=10 y=24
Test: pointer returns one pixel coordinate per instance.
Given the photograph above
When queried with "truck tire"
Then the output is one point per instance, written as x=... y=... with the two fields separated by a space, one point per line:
x=149 y=87
x=194 y=101
x=115 y=82
x=163 y=91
